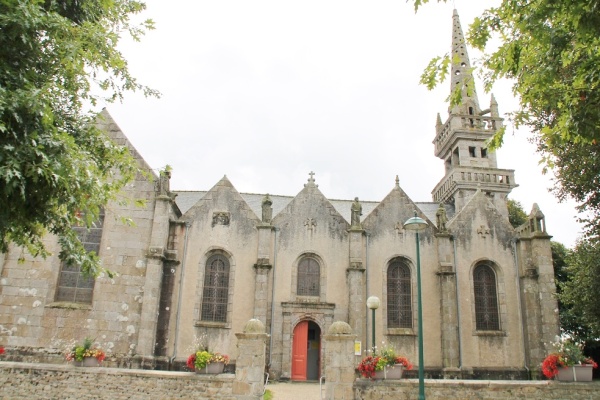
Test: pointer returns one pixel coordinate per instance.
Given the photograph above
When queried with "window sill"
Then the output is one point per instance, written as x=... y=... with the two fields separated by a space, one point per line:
x=308 y=299
x=489 y=333
x=212 y=324
x=401 y=332
x=69 y=305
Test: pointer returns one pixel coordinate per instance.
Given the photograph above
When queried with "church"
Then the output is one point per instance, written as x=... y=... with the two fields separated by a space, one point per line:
x=197 y=265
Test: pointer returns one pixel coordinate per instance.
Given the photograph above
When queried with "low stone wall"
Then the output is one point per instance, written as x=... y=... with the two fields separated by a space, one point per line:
x=408 y=389
x=48 y=381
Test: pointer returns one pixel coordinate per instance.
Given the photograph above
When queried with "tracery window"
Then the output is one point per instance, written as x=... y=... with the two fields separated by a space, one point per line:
x=73 y=286
x=216 y=289
x=309 y=277
x=486 y=299
x=399 y=298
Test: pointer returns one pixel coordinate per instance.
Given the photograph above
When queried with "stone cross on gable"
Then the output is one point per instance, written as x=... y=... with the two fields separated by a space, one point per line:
x=311 y=180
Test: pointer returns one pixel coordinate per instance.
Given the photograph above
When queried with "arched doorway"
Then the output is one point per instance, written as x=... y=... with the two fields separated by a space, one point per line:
x=306 y=351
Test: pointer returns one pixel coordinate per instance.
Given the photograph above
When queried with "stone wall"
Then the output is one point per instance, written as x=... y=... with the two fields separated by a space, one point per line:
x=44 y=381
x=408 y=389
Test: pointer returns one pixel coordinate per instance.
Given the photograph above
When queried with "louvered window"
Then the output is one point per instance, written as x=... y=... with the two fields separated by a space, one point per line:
x=399 y=301
x=309 y=277
x=73 y=286
x=216 y=289
x=486 y=299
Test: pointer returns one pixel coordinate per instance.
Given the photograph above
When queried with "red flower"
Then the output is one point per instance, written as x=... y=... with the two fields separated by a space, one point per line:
x=551 y=364
x=367 y=366
x=191 y=362
x=405 y=363
x=2 y=350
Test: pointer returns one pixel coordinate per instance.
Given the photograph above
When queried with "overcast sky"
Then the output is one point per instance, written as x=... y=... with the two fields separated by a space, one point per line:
x=267 y=91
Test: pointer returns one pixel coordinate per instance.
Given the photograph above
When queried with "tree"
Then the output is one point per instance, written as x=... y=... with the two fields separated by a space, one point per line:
x=516 y=214
x=550 y=50
x=57 y=170
x=577 y=172
x=578 y=291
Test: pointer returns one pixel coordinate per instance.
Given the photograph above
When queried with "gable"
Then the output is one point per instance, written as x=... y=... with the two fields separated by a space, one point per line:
x=310 y=206
x=480 y=217
x=221 y=205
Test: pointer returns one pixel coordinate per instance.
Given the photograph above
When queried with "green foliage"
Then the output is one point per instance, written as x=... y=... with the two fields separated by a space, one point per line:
x=579 y=291
x=550 y=50
x=57 y=59
x=516 y=214
x=559 y=261
x=202 y=359
x=268 y=395
x=577 y=174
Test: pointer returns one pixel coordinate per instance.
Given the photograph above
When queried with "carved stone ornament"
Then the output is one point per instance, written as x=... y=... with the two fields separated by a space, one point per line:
x=310 y=224
x=220 y=218
x=483 y=231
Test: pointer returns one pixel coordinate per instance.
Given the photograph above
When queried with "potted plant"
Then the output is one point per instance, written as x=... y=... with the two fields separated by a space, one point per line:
x=86 y=354
x=384 y=365
x=567 y=362
x=204 y=362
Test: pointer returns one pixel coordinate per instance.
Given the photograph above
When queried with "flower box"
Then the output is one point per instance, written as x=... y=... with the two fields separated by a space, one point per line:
x=393 y=372
x=576 y=373
x=212 y=368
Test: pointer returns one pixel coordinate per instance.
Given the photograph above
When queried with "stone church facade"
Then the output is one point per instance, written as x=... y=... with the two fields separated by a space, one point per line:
x=196 y=266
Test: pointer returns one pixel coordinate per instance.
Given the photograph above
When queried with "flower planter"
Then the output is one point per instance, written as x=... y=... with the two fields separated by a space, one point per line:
x=90 y=362
x=212 y=368
x=87 y=362
x=394 y=372
x=576 y=373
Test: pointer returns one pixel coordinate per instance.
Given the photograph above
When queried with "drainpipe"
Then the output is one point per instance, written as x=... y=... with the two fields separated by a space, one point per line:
x=460 y=361
x=273 y=295
x=367 y=290
x=176 y=336
x=519 y=300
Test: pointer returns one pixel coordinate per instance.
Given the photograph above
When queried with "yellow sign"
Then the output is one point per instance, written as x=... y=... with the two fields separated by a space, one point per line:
x=357 y=348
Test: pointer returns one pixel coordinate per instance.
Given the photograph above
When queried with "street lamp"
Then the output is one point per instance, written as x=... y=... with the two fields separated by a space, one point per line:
x=418 y=224
x=373 y=303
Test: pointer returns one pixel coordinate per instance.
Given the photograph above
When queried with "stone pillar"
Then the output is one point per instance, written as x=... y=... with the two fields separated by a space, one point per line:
x=262 y=267
x=261 y=292
x=154 y=273
x=448 y=307
x=249 y=380
x=355 y=281
x=538 y=302
x=339 y=362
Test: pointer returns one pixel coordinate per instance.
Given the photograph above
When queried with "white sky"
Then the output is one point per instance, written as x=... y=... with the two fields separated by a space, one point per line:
x=267 y=91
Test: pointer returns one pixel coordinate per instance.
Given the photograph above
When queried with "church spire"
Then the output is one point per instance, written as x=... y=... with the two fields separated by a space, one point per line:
x=462 y=75
x=461 y=141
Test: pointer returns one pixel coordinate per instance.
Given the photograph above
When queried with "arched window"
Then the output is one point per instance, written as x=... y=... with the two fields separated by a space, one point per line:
x=309 y=277
x=486 y=299
x=73 y=286
x=216 y=289
x=399 y=299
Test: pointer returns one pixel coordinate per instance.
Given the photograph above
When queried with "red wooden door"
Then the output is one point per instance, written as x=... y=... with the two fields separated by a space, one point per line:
x=299 y=351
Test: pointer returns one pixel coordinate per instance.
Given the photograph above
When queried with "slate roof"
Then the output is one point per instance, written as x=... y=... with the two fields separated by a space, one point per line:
x=187 y=199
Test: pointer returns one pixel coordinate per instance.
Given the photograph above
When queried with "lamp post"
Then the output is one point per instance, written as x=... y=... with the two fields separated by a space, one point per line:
x=417 y=224
x=373 y=303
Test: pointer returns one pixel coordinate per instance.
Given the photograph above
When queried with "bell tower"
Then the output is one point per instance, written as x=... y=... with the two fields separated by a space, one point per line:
x=461 y=140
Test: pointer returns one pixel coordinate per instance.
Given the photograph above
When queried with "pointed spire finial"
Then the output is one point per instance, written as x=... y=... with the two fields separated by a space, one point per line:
x=494 y=107
x=397 y=181
x=461 y=73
